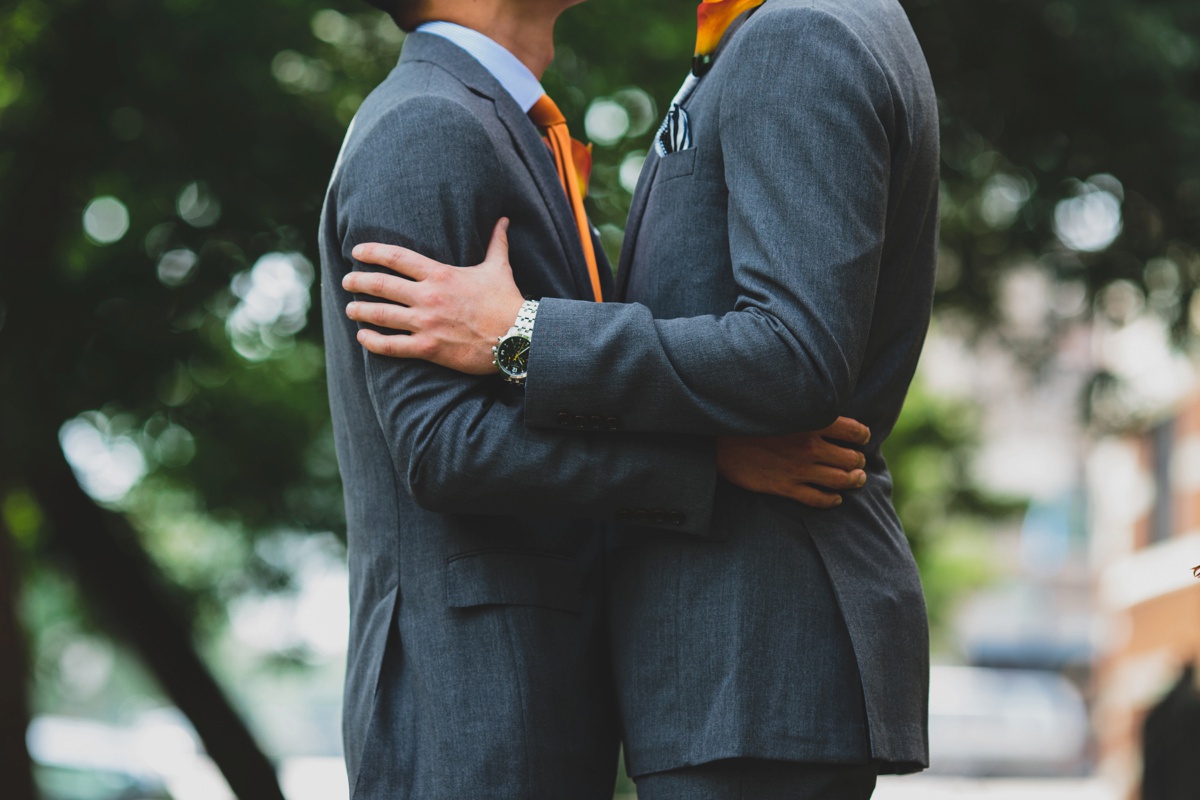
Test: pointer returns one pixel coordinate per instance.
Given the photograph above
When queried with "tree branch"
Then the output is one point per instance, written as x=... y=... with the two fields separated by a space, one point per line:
x=14 y=707
x=133 y=599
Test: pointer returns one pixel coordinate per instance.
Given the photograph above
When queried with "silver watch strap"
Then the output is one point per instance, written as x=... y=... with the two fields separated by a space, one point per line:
x=525 y=319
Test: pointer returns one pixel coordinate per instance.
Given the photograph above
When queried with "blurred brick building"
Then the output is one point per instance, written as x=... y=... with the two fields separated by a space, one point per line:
x=1144 y=488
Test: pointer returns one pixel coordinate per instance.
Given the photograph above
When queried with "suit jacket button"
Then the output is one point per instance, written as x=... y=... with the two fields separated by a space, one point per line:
x=624 y=515
x=563 y=420
x=641 y=516
x=613 y=423
x=597 y=423
x=658 y=516
x=581 y=422
x=676 y=518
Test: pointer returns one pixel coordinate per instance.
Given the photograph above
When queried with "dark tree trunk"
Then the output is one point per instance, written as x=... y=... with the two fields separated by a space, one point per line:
x=131 y=596
x=14 y=710
x=77 y=77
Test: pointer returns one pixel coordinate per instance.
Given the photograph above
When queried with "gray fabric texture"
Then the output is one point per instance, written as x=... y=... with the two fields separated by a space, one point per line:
x=751 y=779
x=777 y=274
x=478 y=663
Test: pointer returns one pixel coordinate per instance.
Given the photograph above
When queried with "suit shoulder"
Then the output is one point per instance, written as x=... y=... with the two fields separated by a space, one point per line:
x=854 y=15
x=417 y=127
x=877 y=29
x=423 y=111
x=865 y=43
x=423 y=147
x=808 y=39
x=793 y=20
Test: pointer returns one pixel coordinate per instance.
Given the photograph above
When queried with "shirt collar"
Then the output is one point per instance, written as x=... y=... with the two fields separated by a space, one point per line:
x=507 y=69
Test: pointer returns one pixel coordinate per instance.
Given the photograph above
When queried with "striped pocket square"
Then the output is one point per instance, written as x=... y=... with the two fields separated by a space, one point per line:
x=675 y=135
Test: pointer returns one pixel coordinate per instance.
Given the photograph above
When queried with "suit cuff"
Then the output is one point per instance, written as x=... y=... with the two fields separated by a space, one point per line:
x=558 y=389
x=560 y=395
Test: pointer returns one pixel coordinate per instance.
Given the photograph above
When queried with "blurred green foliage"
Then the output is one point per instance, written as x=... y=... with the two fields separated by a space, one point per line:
x=153 y=156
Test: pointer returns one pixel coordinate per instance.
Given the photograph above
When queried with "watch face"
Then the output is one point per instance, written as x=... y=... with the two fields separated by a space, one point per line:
x=512 y=355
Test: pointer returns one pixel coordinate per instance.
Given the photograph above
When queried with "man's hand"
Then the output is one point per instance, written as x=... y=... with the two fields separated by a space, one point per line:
x=453 y=316
x=809 y=467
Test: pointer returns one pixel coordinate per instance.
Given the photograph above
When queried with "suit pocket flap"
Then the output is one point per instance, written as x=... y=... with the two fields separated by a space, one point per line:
x=513 y=578
x=676 y=165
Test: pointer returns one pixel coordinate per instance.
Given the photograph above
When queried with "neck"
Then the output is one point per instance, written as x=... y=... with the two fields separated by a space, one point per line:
x=524 y=28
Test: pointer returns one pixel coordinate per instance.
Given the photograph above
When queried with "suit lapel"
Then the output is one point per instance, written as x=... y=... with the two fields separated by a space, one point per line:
x=536 y=156
x=637 y=208
x=633 y=225
x=526 y=140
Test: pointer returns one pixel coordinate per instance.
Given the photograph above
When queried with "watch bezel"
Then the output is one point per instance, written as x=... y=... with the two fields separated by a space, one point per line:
x=505 y=367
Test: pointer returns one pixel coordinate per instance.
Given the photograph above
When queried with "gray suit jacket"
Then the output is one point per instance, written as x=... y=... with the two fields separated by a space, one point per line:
x=478 y=665
x=780 y=273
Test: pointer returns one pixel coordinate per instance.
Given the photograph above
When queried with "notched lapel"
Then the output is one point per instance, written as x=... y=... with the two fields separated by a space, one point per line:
x=633 y=224
x=536 y=156
x=526 y=140
x=637 y=208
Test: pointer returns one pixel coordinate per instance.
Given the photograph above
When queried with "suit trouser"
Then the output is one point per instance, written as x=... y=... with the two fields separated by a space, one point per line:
x=755 y=779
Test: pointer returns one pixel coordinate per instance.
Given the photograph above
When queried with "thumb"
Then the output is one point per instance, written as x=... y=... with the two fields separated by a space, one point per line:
x=498 y=247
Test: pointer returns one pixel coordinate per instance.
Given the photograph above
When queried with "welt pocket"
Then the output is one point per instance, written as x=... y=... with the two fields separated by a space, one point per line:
x=676 y=165
x=514 y=578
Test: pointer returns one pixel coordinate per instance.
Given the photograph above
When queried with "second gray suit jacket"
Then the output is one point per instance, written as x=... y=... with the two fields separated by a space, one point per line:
x=779 y=273
x=478 y=664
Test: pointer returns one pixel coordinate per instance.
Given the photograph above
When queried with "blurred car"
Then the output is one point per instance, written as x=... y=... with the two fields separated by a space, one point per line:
x=77 y=759
x=1005 y=722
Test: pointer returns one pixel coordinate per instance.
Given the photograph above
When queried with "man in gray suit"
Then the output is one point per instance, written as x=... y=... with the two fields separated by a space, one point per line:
x=778 y=270
x=479 y=665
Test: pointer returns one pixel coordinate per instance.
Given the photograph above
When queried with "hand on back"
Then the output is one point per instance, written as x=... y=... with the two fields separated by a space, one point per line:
x=812 y=467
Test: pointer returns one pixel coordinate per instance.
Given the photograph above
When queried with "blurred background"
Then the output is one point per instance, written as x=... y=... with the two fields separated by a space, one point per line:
x=172 y=582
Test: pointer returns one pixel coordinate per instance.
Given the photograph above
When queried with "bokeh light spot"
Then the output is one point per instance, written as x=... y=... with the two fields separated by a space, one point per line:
x=331 y=26
x=197 y=206
x=107 y=462
x=1091 y=220
x=176 y=266
x=631 y=170
x=296 y=73
x=643 y=115
x=606 y=121
x=1002 y=198
x=175 y=446
x=273 y=307
x=105 y=220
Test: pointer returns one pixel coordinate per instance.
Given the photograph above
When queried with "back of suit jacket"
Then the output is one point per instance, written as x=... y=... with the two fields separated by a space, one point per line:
x=478 y=665
x=808 y=207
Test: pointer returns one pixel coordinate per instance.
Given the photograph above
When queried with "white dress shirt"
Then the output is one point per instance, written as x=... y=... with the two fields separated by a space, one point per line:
x=507 y=69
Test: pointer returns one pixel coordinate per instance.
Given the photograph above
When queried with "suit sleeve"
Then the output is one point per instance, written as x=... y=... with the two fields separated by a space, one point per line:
x=804 y=121
x=428 y=178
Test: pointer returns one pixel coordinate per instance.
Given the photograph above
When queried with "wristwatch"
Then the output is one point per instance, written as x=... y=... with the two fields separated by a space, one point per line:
x=511 y=353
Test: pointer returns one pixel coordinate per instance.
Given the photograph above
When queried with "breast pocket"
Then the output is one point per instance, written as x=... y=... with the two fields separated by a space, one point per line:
x=514 y=578
x=681 y=265
x=676 y=165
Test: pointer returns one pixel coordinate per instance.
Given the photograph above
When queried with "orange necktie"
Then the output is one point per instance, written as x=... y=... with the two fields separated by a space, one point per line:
x=545 y=114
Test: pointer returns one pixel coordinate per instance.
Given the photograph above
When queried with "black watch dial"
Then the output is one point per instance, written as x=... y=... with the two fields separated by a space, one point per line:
x=512 y=355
